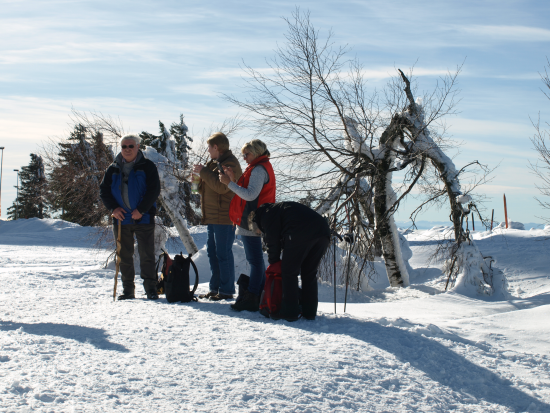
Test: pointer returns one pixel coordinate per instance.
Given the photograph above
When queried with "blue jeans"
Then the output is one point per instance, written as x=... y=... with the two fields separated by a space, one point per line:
x=255 y=257
x=219 y=246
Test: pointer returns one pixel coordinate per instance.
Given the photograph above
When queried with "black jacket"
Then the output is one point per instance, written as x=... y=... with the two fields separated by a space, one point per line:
x=143 y=188
x=288 y=221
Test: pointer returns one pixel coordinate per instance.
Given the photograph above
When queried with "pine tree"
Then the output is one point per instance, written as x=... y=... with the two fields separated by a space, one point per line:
x=31 y=202
x=179 y=133
x=76 y=173
x=173 y=144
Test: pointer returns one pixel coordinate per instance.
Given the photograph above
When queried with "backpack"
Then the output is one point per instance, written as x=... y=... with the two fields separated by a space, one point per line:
x=176 y=283
x=272 y=295
x=164 y=271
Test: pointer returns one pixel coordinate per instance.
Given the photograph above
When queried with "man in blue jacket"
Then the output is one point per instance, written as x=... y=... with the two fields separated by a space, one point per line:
x=129 y=190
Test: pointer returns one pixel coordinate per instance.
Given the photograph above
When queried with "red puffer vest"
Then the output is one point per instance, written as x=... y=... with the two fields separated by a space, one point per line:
x=239 y=208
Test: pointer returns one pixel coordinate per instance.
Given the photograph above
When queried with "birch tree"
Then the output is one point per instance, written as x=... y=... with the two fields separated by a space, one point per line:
x=344 y=145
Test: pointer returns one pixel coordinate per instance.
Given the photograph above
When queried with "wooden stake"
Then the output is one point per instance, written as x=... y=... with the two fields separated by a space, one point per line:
x=118 y=248
x=505 y=212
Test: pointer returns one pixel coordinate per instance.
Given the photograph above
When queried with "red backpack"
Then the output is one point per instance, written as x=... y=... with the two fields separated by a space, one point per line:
x=272 y=295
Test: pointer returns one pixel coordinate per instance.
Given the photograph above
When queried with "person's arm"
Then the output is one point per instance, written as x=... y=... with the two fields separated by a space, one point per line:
x=105 y=191
x=272 y=239
x=212 y=179
x=152 y=191
x=256 y=182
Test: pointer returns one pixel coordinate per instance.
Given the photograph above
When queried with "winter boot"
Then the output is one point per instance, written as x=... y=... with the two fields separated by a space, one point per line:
x=127 y=296
x=152 y=295
x=309 y=310
x=289 y=312
x=248 y=302
x=243 y=282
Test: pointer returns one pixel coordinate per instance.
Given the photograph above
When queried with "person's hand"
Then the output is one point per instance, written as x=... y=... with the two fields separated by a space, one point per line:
x=198 y=168
x=229 y=172
x=136 y=215
x=118 y=213
x=224 y=179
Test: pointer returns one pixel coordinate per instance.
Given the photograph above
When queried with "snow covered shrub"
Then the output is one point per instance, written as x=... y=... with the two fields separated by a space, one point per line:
x=473 y=274
x=511 y=225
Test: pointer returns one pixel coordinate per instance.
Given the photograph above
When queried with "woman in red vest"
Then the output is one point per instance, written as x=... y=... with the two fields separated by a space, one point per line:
x=255 y=187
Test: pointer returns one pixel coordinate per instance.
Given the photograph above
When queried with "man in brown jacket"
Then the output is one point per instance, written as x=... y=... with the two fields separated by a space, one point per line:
x=215 y=200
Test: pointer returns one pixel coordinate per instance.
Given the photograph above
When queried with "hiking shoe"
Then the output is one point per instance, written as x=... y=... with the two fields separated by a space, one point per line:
x=288 y=312
x=210 y=294
x=248 y=302
x=220 y=296
x=152 y=295
x=126 y=296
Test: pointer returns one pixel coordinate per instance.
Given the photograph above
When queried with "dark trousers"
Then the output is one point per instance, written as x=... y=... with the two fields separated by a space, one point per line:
x=145 y=235
x=302 y=257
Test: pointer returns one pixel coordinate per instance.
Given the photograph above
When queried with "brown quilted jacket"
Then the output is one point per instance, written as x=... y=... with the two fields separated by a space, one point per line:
x=215 y=196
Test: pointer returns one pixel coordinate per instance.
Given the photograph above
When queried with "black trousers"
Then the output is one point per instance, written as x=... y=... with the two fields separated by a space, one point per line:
x=302 y=257
x=145 y=235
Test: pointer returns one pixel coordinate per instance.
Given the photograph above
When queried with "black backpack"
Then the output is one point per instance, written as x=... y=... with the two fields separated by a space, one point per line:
x=176 y=283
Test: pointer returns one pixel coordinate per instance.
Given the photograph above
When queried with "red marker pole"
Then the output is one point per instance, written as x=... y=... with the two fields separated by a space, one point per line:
x=505 y=212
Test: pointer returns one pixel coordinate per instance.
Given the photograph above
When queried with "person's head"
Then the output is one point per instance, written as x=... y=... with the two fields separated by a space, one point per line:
x=218 y=144
x=129 y=147
x=254 y=149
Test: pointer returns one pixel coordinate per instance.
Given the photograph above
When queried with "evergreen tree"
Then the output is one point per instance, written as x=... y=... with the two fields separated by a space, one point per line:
x=179 y=133
x=173 y=144
x=31 y=202
x=75 y=176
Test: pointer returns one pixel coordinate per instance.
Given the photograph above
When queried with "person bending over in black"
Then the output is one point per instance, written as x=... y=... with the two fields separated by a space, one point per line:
x=303 y=236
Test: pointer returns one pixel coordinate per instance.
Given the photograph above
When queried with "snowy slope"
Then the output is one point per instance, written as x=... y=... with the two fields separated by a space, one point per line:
x=65 y=346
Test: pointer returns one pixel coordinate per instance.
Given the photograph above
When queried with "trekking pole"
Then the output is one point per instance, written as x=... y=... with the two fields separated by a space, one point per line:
x=492 y=216
x=349 y=239
x=334 y=236
x=118 y=248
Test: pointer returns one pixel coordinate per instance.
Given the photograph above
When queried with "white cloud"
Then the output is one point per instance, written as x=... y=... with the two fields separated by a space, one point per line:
x=509 y=33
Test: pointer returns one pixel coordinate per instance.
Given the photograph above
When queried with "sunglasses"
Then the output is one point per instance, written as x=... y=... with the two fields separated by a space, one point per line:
x=245 y=155
x=127 y=146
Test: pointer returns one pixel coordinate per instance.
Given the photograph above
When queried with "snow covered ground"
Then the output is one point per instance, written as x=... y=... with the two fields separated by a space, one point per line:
x=65 y=346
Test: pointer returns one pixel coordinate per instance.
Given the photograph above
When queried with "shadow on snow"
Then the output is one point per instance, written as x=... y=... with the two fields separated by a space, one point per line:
x=438 y=362
x=95 y=336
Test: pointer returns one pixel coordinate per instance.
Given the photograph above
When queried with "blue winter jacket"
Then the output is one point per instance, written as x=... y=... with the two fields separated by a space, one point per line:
x=143 y=189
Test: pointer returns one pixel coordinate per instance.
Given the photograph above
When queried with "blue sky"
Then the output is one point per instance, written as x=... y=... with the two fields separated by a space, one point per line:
x=146 y=61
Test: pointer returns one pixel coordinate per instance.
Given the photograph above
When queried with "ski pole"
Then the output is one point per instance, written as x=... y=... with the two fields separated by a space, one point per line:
x=118 y=248
x=334 y=282
x=349 y=239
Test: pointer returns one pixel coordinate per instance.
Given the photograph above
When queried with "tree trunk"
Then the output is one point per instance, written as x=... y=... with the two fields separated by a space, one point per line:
x=170 y=196
x=384 y=197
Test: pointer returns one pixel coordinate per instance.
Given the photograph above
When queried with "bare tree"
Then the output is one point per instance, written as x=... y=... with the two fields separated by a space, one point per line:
x=541 y=168
x=342 y=145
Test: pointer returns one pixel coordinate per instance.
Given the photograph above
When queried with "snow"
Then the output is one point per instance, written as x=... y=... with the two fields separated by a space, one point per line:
x=65 y=346
x=511 y=225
